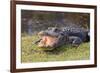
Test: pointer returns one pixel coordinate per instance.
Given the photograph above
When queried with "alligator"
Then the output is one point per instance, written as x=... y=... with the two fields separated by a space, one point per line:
x=55 y=37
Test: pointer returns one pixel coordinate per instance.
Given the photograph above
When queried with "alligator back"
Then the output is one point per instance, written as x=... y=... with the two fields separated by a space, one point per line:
x=77 y=32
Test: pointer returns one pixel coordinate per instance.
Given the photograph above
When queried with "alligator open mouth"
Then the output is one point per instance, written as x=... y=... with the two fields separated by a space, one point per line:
x=47 y=40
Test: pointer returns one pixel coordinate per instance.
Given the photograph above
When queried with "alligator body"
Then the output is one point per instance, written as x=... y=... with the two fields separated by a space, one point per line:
x=64 y=35
x=77 y=32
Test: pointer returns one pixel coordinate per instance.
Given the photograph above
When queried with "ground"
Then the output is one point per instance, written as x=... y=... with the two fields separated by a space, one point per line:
x=31 y=53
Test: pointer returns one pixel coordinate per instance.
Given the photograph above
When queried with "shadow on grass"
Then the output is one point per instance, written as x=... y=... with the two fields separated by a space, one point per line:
x=60 y=49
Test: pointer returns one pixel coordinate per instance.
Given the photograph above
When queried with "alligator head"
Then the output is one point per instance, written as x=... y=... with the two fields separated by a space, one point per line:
x=49 y=38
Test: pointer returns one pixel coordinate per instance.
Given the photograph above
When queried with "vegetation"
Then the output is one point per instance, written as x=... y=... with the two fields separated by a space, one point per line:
x=31 y=53
x=40 y=20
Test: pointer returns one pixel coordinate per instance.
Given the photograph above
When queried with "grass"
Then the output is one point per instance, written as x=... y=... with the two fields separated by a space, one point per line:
x=31 y=53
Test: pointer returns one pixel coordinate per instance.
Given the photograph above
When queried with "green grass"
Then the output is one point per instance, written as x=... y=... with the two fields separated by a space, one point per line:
x=31 y=53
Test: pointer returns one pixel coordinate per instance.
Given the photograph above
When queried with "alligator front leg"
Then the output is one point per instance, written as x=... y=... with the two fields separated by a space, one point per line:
x=75 y=41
